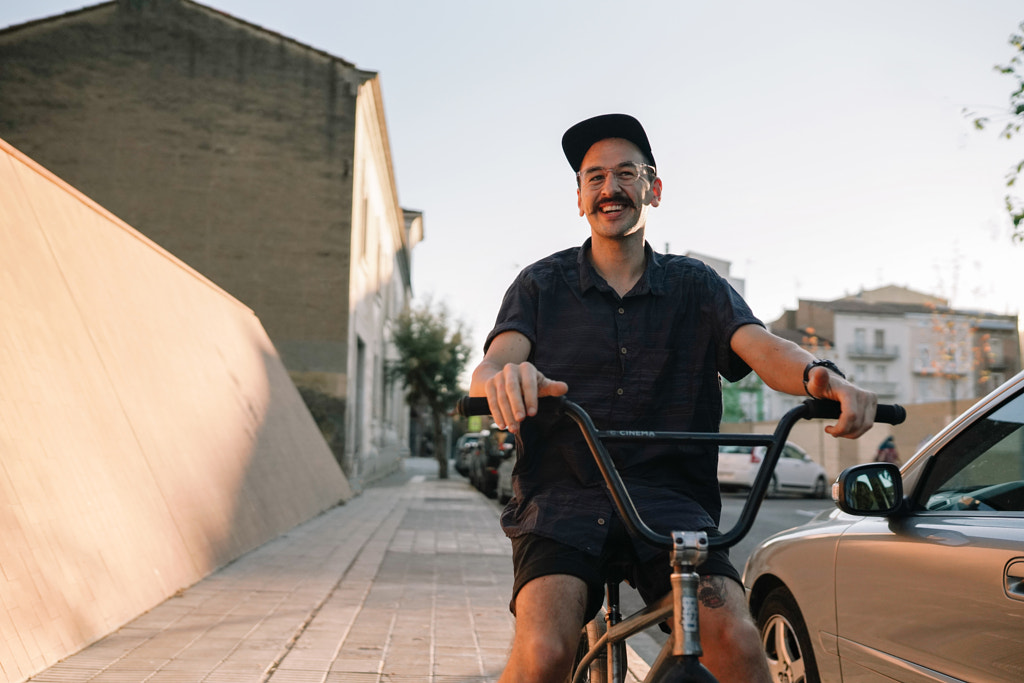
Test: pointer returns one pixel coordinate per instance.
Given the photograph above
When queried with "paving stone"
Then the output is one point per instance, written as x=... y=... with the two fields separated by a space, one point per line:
x=403 y=583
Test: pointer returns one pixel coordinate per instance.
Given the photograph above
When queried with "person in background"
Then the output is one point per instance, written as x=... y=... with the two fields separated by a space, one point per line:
x=887 y=452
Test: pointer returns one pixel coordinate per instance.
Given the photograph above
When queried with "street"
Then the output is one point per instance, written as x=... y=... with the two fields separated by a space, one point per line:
x=775 y=514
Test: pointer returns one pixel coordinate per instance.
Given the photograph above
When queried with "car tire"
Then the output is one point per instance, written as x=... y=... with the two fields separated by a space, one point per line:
x=773 y=488
x=820 y=488
x=784 y=639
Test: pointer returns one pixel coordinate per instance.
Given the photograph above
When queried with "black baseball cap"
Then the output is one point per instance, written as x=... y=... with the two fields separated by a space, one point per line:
x=578 y=139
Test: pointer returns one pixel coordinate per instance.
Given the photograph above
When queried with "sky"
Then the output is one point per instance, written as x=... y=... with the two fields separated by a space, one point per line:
x=822 y=148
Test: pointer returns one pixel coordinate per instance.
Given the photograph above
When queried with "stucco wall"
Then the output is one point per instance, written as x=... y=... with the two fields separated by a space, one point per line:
x=149 y=432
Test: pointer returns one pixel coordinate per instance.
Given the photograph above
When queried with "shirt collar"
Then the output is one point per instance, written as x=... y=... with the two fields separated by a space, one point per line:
x=652 y=281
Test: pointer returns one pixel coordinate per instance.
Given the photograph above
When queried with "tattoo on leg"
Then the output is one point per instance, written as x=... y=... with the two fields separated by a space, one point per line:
x=712 y=591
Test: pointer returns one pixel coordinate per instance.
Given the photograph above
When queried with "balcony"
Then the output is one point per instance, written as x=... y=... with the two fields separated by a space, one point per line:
x=866 y=352
x=948 y=370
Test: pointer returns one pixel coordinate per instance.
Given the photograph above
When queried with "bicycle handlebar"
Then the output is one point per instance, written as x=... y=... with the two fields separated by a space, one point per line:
x=808 y=410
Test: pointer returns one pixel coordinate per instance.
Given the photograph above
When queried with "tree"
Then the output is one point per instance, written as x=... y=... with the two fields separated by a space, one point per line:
x=432 y=354
x=1015 y=69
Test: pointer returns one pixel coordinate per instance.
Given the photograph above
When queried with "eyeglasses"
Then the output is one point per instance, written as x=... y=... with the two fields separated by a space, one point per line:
x=626 y=173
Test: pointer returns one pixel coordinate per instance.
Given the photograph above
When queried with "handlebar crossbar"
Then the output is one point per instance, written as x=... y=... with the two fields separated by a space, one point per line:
x=595 y=438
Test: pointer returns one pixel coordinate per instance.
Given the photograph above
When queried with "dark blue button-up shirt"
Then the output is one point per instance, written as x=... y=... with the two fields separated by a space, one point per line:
x=650 y=360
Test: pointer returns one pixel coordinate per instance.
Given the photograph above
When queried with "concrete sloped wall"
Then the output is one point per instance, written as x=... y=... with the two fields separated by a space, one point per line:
x=149 y=433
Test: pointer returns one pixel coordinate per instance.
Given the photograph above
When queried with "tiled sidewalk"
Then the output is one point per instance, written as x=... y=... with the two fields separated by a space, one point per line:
x=407 y=582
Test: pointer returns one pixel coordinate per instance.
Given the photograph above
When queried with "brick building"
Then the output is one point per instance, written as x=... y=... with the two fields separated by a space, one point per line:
x=261 y=162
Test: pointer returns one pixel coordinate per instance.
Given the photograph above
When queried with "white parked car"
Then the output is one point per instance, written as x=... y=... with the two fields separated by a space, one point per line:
x=795 y=473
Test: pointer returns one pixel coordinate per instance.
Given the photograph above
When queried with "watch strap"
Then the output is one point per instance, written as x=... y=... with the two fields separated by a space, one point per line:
x=820 y=363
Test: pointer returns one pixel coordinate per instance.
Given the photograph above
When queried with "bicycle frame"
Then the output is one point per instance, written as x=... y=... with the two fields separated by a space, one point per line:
x=681 y=654
x=679 y=659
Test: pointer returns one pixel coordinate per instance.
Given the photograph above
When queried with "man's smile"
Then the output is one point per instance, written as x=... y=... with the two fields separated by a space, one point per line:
x=614 y=205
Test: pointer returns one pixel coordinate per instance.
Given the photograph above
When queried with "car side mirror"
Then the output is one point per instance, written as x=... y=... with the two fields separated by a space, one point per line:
x=873 y=489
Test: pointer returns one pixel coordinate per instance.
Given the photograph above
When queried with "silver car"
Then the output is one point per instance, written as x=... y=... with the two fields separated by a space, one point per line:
x=918 y=576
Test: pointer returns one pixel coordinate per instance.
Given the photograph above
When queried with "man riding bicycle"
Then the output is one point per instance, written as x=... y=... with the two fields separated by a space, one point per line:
x=640 y=340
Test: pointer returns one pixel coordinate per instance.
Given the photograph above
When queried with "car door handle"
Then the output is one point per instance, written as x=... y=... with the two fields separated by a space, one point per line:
x=1013 y=579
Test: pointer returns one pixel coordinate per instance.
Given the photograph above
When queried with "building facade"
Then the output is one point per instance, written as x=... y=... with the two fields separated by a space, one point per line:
x=261 y=162
x=908 y=347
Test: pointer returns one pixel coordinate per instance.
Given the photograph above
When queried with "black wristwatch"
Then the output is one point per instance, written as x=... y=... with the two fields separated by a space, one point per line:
x=820 y=363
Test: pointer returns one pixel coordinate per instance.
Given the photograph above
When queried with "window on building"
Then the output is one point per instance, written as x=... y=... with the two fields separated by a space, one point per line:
x=924 y=358
x=860 y=372
x=879 y=339
x=360 y=400
x=860 y=338
x=996 y=352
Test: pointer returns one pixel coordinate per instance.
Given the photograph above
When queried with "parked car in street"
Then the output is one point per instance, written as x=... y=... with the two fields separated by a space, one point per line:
x=919 y=573
x=504 y=485
x=464 y=446
x=494 y=447
x=795 y=472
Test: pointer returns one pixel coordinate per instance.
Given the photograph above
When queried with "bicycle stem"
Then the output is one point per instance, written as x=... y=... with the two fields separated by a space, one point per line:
x=689 y=549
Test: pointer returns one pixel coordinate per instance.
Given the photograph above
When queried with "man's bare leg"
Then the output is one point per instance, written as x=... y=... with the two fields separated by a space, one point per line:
x=729 y=637
x=549 y=616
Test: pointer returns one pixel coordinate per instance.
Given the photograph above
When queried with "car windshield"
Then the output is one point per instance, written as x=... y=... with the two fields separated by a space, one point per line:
x=983 y=468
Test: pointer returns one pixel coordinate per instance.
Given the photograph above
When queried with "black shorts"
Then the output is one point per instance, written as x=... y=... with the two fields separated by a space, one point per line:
x=534 y=556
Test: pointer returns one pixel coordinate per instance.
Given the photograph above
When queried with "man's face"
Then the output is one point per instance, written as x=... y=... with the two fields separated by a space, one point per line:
x=616 y=210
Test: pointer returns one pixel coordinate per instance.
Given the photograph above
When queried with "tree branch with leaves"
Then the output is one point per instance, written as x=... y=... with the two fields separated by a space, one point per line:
x=1014 y=68
x=432 y=354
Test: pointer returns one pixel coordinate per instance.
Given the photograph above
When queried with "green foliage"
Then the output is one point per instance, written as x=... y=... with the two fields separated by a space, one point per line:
x=432 y=354
x=743 y=401
x=329 y=414
x=1015 y=70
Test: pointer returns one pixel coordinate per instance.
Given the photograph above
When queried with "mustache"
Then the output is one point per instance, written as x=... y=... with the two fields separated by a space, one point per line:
x=615 y=199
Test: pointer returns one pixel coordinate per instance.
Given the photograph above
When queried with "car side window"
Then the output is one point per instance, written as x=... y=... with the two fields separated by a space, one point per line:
x=982 y=469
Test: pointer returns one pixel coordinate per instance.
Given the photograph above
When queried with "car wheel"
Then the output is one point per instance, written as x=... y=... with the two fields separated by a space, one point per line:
x=785 y=640
x=773 y=488
x=820 y=488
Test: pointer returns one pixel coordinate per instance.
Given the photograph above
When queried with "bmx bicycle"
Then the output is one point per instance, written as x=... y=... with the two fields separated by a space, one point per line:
x=602 y=652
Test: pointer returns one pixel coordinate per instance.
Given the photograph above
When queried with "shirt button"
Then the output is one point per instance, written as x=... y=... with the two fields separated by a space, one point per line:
x=619 y=391
x=600 y=521
x=623 y=350
x=621 y=310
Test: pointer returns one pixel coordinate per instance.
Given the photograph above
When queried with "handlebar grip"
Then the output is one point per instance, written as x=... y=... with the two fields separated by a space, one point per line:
x=472 y=405
x=477 y=405
x=888 y=413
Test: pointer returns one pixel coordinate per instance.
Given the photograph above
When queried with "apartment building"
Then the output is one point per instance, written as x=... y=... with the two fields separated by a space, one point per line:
x=906 y=346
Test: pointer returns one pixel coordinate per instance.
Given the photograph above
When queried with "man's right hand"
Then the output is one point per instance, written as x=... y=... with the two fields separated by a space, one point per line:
x=512 y=393
x=510 y=382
